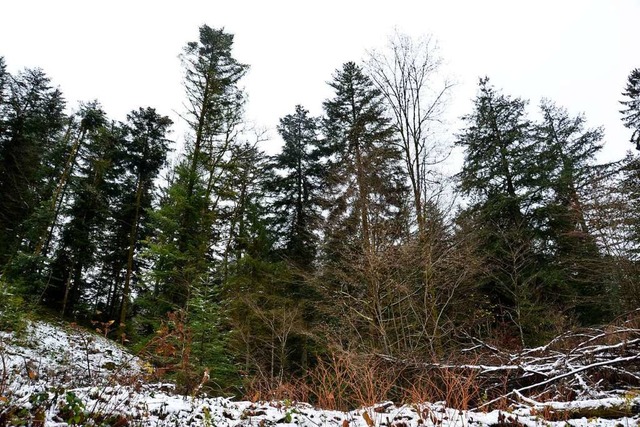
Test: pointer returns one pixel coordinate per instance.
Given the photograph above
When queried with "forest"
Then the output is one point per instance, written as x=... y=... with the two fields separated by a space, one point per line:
x=348 y=249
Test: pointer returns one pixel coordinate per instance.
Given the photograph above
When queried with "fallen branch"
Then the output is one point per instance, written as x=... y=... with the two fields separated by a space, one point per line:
x=559 y=377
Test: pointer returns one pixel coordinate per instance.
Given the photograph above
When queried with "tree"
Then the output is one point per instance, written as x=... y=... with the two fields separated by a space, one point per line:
x=568 y=152
x=32 y=120
x=366 y=177
x=144 y=154
x=498 y=170
x=407 y=76
x=500 y=175
x=297 y=186
x=91 y=189
x=185 y=221
x=185 y=250
x=631 y=112
x=367 y=213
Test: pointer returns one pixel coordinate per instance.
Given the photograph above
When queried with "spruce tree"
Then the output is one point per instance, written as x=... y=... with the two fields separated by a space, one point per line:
x=367 y=209
x=32 y=122
x=185 y=249
x=87 y=212
x=185 y=220
x=297 y=192
x=567 y=151
x=500 y=175
x=631 y=112
x=365 y=167
x=297 y=187
x=143 y=153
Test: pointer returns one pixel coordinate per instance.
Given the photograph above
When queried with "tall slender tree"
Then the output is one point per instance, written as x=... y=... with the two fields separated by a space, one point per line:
x=367 y=213
x=214 y=109
x=144 y=154
x=297 y=186
x=32 y=121
x=87 y=212
x=408 y=76
x=365 y=172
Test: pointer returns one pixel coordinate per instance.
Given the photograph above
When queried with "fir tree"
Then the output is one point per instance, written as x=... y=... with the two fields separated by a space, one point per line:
x=297 y=187
x=32 y=120
x=92 y=189
x=367 y=213
x=567 y=151
x=365 y=172
x=631 y=112
x=185 y=221
x=501 y=176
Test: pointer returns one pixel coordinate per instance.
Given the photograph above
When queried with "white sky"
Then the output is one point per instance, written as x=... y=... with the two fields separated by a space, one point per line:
x=124 y=52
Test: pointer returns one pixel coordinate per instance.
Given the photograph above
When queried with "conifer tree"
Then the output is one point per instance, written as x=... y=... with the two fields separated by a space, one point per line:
x=185 y=221
x=567 y=151
x=365 y=173
x=32 y=121
x=501 y=176
x=185 y=251
x=92 y=188
x=297 y=186
x=367 y=191
x=143 y=154
x=631 y=112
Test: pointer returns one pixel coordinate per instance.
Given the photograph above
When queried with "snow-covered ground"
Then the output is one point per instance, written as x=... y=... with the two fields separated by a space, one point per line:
x=54 y=375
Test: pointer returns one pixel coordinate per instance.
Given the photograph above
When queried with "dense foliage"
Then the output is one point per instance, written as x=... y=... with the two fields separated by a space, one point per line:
x=262 y=269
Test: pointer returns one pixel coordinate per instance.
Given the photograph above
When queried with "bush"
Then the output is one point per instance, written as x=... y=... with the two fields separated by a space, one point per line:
x=11 y=310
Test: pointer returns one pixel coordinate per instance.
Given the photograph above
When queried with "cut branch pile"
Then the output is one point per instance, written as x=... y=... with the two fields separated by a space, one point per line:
x=585 y=364
x=593 y=363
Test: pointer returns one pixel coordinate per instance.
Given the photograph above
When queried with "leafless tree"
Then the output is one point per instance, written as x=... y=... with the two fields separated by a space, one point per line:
x=408 y=73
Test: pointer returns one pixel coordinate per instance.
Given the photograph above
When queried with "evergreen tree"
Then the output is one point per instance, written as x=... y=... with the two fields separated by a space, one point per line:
x=185 y=221
x=568 y=152
x=297 y=187
x=143 y=153
x=501 y=175
x=32 y=120
x=88 y=210
x=631 y=112
x=367 y=212
x=185 y=249
x=365 y=172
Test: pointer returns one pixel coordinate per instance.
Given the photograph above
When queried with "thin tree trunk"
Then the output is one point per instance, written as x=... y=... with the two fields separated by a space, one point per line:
x=132 y=244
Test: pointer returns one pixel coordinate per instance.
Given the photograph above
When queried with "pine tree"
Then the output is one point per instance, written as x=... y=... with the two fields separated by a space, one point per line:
x=631 y=112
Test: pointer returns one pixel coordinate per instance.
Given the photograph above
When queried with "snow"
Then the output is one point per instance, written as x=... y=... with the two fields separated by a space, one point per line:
x=50 y=368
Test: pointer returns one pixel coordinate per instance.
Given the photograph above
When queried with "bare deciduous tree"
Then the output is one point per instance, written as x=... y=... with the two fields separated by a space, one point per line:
x=408 y=74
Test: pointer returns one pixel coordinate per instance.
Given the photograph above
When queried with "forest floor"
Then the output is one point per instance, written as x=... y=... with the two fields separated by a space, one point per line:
x=55 y=374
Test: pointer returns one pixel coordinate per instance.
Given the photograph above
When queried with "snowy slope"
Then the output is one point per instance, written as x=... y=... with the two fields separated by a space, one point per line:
x=57 y=376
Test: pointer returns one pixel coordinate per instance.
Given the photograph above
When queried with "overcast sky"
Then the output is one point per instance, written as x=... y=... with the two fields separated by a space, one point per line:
x=124 y=53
